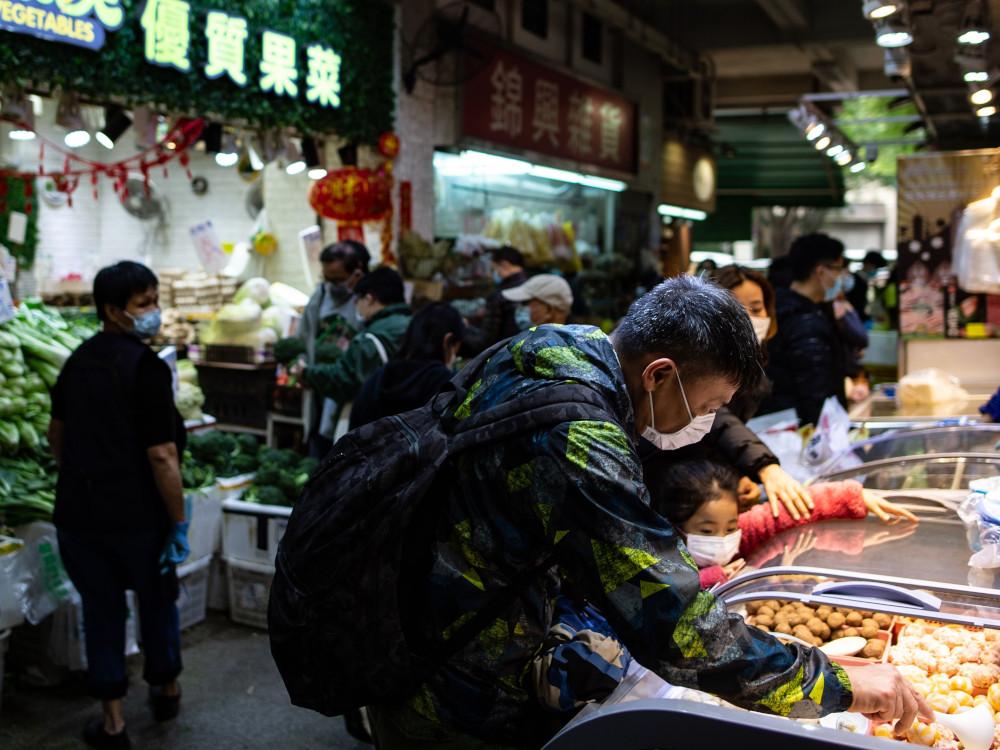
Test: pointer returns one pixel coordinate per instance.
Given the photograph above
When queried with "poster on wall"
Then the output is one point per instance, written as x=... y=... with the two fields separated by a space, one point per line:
x=206 y=244
x=942 y=198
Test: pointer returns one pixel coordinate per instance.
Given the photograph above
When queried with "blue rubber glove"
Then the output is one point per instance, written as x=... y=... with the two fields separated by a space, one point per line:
x=177 y=549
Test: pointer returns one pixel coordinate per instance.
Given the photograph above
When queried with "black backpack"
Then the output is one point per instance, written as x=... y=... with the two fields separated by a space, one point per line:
x=341 y=611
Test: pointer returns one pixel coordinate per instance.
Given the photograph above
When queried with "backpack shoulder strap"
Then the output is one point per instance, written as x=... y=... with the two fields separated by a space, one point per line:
x=379 y=347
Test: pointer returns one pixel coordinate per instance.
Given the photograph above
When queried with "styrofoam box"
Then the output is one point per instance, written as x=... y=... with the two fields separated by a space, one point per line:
x=251 y=532
x=218 y=586
x=249 y=589
x=230 y=488
x=204 y=511
x=192 y=599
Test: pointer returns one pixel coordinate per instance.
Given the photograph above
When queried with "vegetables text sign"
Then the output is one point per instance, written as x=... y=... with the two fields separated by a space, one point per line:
x=518 y=103
x=79 y=22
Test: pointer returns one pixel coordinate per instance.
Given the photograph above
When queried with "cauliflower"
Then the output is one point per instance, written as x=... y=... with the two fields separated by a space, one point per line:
x=189 y=401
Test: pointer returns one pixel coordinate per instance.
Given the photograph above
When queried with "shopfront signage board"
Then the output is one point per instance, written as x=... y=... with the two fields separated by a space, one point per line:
x=524 y=106
x=82 y=23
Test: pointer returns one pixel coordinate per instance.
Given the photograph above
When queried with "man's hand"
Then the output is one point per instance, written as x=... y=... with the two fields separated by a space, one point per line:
x=782 y=488
x=884 y=509
x=748 y=493
x=880 y=692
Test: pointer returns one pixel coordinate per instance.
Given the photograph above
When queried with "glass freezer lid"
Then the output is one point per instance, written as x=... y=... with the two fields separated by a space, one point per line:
x=960 y=439
x=945 y=471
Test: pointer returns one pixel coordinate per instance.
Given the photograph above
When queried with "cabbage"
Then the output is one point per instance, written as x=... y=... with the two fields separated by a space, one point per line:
x=255 y=290
x=287 y=296
x=236 y=319
x=278 y=318
x=187 y=372
x=189 y=401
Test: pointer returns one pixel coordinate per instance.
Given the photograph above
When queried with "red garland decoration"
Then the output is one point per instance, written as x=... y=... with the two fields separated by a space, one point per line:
x=183 y=135
x=352 y=194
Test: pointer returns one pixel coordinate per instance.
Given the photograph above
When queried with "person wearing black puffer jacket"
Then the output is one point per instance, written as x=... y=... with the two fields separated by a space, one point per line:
x=806 y=360
x=418 y=372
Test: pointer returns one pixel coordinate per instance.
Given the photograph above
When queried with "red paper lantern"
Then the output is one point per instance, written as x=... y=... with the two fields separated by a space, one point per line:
x=351 y=194
x=388 y=145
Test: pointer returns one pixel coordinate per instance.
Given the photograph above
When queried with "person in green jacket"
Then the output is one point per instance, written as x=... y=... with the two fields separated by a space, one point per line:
x=382 y=307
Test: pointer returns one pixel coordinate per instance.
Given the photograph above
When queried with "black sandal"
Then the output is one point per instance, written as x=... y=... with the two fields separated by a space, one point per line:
x=96 y=736
x=165 y=707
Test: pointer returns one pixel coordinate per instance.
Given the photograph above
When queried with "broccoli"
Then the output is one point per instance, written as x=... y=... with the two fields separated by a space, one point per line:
x=286 y=350
x=268 y=455
x=289 y=486
x=244 y=464
x=216 y=449
x=309 y=466
x=268 y=474
x=247 y=444
x=327 y=353
x=269 y=495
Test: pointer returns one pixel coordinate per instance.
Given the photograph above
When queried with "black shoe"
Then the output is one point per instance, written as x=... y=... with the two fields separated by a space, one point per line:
x=357 y=726
x=95 y=736
x=165 y=707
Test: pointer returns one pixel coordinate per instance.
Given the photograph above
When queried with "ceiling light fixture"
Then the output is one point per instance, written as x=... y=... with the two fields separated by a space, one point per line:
x=70 y=116
x=823 y=143
x=311 y=154
x=877 y=9
x=974 y=36
x=693 y=214
x=981 y=96
x=294 y=162
x=976 y=76
x=844 y=158
x=17 y=109
x=116 y=122
x=835 y=150
x=891 y=34
x=858 y=166
x=815 y=130
x=228 y=153
x=987 y=111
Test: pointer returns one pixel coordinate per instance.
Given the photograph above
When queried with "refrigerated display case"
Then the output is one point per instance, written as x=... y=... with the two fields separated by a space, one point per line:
x=880 y=411
x=910 y=572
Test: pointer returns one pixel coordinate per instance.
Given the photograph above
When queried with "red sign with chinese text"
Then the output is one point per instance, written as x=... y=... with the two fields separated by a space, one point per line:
x=518 y=103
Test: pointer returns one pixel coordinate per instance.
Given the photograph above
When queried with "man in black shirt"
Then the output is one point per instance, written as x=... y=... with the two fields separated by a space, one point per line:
x=499 y=319
x=119 y=500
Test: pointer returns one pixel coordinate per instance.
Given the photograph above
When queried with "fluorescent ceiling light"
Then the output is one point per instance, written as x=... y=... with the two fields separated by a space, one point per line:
x=317 y=173
x=976 y=76
x=602 y=183
x=561 y=175
x=987 y=111
x=981 y=96
x=974 y=36
x=478 y=163
x=823 y=142
x=858 y=167
x=666 y=209
x=877 y=9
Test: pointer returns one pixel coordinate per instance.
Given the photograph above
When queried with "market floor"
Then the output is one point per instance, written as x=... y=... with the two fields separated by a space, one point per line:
x=233 y=698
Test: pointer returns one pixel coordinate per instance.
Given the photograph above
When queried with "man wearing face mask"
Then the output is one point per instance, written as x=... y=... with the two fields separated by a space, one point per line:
x=382 y=309
x=328 y=324
x=498 y=321
x=806 y=357
x=119 y=502
x=563 y=509
x=542 y=299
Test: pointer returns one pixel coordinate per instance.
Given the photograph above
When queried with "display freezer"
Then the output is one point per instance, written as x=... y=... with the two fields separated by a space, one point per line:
x=880 y=411
x=904 y=570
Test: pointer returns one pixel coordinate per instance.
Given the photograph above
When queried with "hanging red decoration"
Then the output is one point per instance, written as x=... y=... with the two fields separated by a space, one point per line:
x=352 y=194
x=388 y=145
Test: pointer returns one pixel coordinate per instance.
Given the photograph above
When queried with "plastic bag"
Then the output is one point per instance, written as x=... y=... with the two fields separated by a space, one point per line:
x=930 y=386
x=10 y=564
x=42 y=582
x=831 y=436
x=976 y=256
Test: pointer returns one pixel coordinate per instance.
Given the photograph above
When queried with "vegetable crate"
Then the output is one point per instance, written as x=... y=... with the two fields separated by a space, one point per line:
x=251 y=531
x=237 y=394
x=249 y=589
x=204 y=510
x=193 y=586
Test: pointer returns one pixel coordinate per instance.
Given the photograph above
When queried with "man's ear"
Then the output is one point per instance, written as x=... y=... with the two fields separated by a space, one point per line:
x=657 y=372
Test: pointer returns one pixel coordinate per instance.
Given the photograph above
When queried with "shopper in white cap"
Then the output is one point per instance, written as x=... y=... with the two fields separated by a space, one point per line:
x=545 y=298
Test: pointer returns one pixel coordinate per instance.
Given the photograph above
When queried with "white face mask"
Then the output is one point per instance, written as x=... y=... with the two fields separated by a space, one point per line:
x=714 y=550
x=695 y=430
x=761 y=326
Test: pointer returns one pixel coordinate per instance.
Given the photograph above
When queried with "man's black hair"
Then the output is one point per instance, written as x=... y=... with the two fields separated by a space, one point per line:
x=811 y=250
x=510 y=254
x=678 y=488
x=351 y=253
x=698 y=325
x=384 y=284
x=115 y=285
x=424 y=338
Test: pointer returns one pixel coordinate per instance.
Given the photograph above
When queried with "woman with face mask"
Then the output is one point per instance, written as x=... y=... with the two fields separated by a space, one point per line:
x=119 y=512
x=415 y=375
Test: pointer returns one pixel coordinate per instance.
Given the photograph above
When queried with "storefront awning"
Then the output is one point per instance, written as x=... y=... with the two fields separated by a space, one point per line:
x=763 y=160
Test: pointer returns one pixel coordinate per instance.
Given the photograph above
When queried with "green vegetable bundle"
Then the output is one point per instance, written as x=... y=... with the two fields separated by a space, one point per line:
x=215 y=454
x=27 y=490
x=280 y=478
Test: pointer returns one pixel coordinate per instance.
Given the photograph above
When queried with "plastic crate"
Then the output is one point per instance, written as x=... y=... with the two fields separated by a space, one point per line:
x=237 y=394
x=249 y=589
x=251 y=531
x=192 y=600
x=204 y=511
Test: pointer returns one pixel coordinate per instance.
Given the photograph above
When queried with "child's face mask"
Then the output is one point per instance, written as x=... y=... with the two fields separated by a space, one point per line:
x=714 y=550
